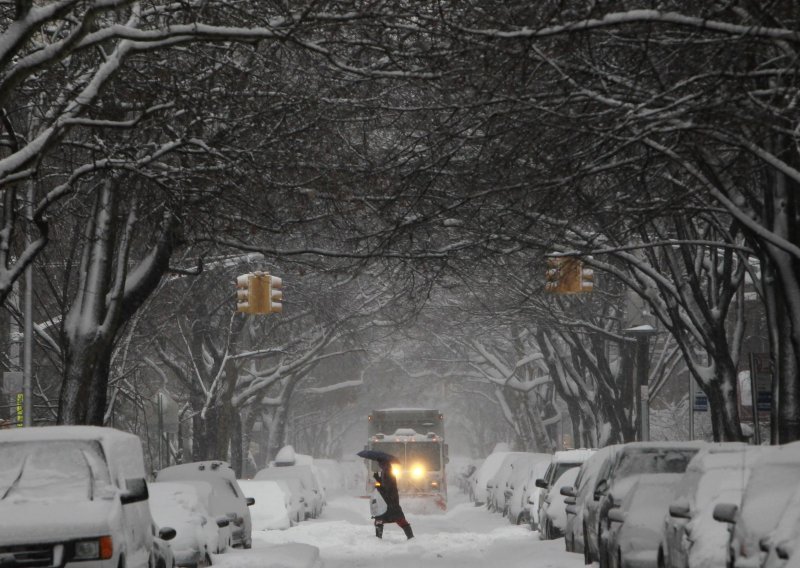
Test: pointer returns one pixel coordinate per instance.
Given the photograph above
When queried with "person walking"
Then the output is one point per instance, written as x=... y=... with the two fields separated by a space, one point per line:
x=386 y=485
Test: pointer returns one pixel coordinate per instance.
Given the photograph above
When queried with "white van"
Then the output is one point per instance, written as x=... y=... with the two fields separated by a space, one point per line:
x=74 y=496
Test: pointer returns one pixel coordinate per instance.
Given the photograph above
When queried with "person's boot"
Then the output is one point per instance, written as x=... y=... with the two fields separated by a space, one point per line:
x=409 y=533
x=379 y=530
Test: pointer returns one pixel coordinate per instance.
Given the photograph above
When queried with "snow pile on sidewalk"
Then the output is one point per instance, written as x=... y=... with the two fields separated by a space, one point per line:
x=292 y=555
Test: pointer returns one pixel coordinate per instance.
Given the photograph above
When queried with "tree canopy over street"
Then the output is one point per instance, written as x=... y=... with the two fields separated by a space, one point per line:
x=407 y=169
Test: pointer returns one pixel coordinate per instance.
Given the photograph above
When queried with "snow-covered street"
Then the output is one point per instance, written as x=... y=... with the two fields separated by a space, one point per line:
x=465 y=536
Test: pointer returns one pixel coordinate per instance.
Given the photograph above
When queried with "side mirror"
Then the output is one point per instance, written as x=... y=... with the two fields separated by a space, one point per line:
x=541 y=483
x=569 y=500
x=680 y=510
x=725 y=512
x=222 y=522
x=137 y=491
x=302 y=499
x=251 y=501
x=568 y=491
x=616 y=516
x=530 y=500
x=166 y=533
x=784 y=551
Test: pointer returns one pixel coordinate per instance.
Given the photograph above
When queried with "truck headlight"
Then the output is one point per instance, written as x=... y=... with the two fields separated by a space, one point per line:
x=397 y=471
x=93 y=549
x=417 y=472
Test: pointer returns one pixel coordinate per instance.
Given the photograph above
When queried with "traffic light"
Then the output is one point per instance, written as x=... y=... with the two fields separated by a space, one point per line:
x=275 y=295
x=567 y=275
x=258 y=293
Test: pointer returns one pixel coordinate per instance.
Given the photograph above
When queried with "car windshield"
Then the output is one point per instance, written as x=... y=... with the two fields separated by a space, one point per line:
x=653 y=461
x=64 y=470
x=562 y=467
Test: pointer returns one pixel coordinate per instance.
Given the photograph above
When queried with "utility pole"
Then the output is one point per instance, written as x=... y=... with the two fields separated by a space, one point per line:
x=642 y=335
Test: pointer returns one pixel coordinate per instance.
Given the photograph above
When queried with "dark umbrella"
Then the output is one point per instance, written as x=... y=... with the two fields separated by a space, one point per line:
x=377 y=455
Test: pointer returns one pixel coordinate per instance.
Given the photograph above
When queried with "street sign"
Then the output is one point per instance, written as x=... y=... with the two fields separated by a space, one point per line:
x=700 y=403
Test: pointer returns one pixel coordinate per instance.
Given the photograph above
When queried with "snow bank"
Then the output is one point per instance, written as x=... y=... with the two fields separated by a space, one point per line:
x=291 y=555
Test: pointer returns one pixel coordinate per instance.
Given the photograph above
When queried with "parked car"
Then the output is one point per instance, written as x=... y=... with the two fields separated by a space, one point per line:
x=591 y=507
x=533 y=493
x=272 y=507
x=298 y=509
x=553 y=508
x=484 y=474
x=691 y=537
x=181 y=506
x=773 y=480
x=634 y=535
x=614 y=482
x=516 y=498
x=561 y=462
x=582 y=492
x=497 y=485
x=312 y=493
x=226 y=498
x=65 y=485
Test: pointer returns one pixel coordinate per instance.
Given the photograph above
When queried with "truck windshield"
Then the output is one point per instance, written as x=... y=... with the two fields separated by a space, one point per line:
x=64 y=470
x=425 y=453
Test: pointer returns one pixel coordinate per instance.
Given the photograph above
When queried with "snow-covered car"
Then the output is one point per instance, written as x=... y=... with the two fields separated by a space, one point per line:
x=634 y=535
x=552 y=509
x=636 y=458
x=312 y=493
x=226 y=498
x=562 y=462
x=772 y=482
x=497 y=485
x=273 y=505
x=288 y=457
x=75 y=495
x=517 y=491
x=181 y=506
x=691 y=537
x=484 y=474
x=583 y=493
x=533 y=493
x=298 y=510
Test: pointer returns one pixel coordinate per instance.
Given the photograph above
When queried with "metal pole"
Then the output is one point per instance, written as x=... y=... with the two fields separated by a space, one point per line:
x=754 y=395
x=160 y=433
x=27 y=347
x=642 y=369
x=691 y=406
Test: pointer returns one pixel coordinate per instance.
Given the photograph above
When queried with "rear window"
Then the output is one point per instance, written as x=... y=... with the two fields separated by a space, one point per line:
x=653 y=461
x=64 y=470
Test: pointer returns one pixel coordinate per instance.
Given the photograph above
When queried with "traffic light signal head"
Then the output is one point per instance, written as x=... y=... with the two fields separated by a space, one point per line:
x=552 y=274
x=275 y=295
x=567 y=275
x=243 y=294
x=258 y=293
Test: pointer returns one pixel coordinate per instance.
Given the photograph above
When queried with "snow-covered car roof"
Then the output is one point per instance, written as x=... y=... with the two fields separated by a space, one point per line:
x=573 y=456
x=196 y=470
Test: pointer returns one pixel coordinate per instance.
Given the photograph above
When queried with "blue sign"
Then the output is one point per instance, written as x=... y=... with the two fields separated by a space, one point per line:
x=700 y=402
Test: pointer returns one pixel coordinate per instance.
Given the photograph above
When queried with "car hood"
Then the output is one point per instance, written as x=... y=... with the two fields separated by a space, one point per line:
x=32 y=522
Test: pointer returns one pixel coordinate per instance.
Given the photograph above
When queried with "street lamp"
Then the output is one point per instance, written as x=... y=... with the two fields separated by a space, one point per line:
x=642 y=334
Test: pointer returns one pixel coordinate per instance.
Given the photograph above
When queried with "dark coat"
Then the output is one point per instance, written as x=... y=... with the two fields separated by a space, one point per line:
x=387 y=487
